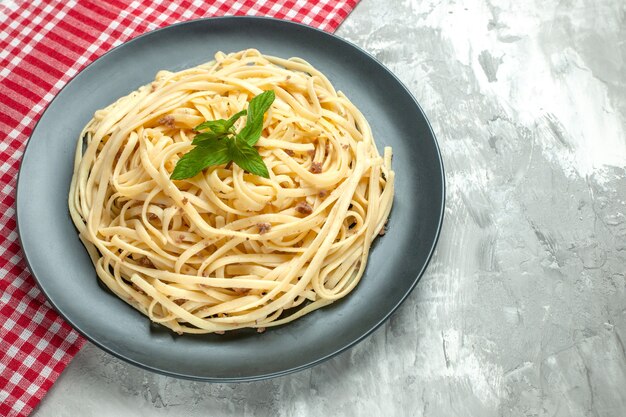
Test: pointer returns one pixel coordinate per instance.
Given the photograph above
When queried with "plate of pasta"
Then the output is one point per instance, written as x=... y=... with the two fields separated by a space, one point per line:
x=230 y=199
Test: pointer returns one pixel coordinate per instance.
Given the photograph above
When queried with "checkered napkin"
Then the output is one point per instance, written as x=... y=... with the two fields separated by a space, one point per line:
x=43 y=44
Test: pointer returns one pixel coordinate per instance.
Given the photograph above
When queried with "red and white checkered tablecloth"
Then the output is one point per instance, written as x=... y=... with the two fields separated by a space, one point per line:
x=43 y=44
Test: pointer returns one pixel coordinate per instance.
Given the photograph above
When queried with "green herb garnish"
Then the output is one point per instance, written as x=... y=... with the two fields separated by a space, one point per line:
x=217 y=142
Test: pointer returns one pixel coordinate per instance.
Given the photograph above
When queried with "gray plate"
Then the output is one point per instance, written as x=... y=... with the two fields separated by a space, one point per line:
x=64 y=272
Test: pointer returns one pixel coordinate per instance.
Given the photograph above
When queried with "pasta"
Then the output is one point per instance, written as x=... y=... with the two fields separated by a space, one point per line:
x=227 y=249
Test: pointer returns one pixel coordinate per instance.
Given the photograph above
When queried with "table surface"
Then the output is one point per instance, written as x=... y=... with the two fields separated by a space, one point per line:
x=523 y=308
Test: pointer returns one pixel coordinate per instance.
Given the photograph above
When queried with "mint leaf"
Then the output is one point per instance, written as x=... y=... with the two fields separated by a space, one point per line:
x=204 y=136
x=247 y=157
x=256 y=109
x=235 y=117
x=260 y=104
x=220 y=126
x=217 y=128
x=217 y=142
x=204 y=155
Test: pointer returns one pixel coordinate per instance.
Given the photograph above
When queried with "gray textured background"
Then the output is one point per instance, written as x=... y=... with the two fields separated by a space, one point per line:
x=523 y=309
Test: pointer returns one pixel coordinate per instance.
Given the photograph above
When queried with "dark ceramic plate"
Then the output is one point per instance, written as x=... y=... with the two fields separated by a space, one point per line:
x=64 y=272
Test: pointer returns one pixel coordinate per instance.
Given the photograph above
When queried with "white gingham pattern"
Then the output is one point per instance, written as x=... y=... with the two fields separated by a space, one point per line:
x=43 y=44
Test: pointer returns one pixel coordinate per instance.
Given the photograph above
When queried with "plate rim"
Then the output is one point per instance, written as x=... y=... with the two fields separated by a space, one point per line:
x=307 y=364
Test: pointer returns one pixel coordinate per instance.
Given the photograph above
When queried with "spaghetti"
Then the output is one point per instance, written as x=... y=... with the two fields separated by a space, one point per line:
x=227 y=249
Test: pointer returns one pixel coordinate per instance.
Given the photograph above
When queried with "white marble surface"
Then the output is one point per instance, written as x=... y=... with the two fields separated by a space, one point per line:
x=523 y=309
